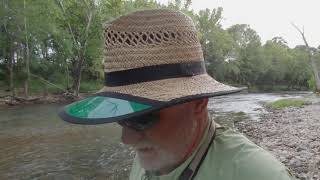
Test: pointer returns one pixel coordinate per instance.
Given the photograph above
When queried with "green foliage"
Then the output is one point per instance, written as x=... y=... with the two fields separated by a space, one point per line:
x=247 y=52
x=244 y=36
x=216 y=42
x=234 y=55
x=312 y=83
x=91 y=86
x=284 y=103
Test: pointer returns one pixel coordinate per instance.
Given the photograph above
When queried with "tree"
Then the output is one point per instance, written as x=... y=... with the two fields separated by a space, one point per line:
x=59 y=43
x=247 y=50
x=12 y=37
x=311 y=54
x=27 y=52
x=277 y=59
x=79 y=21
x=216 y=42
x=183 y=5
x=28 y=28
x=299 y=70
x=244 y=35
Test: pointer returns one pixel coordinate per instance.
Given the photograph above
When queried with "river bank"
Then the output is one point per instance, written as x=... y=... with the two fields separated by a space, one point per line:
x=292 y=135
x=9 y=100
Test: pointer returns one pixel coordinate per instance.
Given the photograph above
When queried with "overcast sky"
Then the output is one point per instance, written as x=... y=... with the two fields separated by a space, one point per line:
x=270 y=18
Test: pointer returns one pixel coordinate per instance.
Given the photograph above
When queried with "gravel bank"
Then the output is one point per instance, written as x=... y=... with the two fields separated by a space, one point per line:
x=292 y=135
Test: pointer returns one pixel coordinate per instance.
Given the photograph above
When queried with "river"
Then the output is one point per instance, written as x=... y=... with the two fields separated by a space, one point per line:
x=36 y=144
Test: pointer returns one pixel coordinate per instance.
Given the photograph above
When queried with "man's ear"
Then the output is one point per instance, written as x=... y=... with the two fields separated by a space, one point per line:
x=200 y=105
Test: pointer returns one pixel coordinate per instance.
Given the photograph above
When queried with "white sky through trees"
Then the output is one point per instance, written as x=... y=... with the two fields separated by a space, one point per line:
x=270 y=18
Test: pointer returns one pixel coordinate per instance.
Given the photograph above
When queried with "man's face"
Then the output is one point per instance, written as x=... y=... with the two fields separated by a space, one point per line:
x=166 y=143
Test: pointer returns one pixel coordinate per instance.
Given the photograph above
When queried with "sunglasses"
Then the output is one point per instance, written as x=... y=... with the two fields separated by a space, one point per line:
x=141 y=123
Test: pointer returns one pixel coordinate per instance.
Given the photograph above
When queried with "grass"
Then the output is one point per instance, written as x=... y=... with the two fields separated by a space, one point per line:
x=284 y=103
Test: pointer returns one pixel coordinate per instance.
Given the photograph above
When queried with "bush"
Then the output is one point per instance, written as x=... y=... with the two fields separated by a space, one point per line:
x=312 y=84
x=88 y=86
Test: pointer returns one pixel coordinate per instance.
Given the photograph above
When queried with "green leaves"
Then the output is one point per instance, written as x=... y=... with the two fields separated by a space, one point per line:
x=235 y=55
x=65 y=38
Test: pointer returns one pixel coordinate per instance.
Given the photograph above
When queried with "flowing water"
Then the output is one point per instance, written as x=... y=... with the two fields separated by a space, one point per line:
x=36 y=144
x=237 y=107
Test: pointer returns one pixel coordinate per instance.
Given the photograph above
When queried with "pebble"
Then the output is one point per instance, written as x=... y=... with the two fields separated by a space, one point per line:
x=292 y=135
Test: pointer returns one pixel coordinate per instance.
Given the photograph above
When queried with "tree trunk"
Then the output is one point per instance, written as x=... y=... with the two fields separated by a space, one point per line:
x=82 y=52
x=10 y=57
x=68 y=79
x=26 y=88
x=81 y=49
x=77 y=76
x=45 y=91
x=27 y=55
x=11 y=65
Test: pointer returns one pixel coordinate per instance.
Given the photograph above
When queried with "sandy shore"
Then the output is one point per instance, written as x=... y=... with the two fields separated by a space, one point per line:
x=292 y=135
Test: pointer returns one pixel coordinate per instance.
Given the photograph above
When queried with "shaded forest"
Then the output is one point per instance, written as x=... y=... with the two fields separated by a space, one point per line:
x=56 y=46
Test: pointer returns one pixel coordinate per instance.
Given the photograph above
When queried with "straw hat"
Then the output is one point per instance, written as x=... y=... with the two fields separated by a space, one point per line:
x=152 y=58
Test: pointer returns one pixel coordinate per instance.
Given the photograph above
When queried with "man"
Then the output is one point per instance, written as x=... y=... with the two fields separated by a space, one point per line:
x=157 y=89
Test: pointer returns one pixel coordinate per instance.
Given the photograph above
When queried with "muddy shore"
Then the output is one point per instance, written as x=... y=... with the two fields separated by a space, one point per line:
x=292 y=135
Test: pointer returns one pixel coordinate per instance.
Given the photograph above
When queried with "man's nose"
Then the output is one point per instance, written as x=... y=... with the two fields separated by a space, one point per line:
x=130 y=136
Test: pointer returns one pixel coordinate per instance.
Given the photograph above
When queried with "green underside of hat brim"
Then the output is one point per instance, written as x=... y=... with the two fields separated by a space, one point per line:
x=108 y=107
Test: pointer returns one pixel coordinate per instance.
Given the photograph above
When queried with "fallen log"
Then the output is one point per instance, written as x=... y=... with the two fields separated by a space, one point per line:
x=16 y=100
x=22 y=99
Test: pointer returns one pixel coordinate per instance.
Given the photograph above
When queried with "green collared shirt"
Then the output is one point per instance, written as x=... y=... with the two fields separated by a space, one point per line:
x=231 y=157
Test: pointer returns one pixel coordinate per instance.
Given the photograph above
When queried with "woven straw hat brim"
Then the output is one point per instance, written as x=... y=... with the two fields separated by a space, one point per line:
x=110 y=104
x=169 y=89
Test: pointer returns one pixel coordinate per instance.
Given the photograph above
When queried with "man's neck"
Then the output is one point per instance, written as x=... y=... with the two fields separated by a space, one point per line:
x=198 y=136
x=200 y=131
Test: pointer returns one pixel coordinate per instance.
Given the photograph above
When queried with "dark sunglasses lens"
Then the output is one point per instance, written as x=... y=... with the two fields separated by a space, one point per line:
x=142 y=122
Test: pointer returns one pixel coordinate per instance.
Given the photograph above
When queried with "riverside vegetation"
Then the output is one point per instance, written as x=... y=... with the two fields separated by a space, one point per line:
x=284 y=103
x=50 y=47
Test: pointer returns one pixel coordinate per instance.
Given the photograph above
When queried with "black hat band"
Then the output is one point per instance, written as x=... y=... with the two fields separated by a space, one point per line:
x=153 y=73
